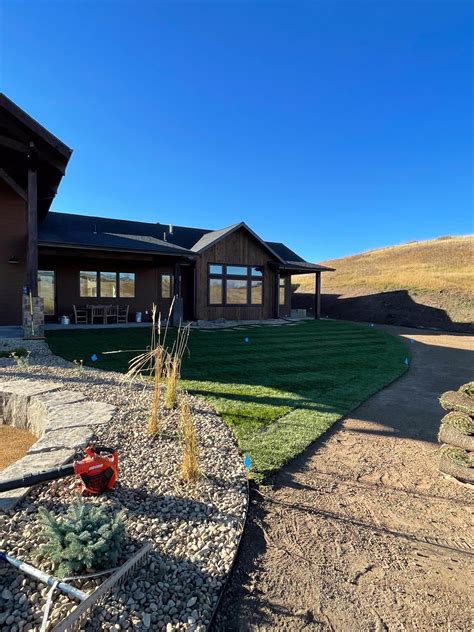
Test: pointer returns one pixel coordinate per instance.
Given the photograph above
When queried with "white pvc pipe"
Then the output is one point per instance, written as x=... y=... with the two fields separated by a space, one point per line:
x=75 y=593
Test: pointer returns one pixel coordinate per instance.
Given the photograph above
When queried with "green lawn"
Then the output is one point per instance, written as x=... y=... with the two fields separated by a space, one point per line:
x=280 y=390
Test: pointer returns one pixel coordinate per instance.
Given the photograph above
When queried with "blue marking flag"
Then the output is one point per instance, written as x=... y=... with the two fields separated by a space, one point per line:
x=247 y=462
x=94 y=358
x=246 y=339
x=371 y=324
x=411 y=340
x=407 y=361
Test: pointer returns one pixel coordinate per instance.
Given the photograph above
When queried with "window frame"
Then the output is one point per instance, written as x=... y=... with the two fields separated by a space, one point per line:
x=282 y=285
x=166 y=274
x=53 y=272
x=98 y=294
x=224 y=276
x=119 y=292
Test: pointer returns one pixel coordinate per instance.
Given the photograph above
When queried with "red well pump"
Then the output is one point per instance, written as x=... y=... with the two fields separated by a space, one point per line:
x=98 y=472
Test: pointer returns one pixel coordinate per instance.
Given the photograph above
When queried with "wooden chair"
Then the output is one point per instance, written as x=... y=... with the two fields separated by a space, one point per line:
x=97 y=311
x=110 y=313
x=80 y=315
x=122 y=314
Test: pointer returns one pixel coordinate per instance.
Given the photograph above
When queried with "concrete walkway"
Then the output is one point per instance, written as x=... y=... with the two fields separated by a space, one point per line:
x=362 y=532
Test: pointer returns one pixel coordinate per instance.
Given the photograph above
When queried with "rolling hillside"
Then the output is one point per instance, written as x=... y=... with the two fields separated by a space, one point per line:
x=427 y=283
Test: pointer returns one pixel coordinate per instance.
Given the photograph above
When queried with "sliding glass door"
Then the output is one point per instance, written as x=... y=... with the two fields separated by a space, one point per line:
x=47 y=291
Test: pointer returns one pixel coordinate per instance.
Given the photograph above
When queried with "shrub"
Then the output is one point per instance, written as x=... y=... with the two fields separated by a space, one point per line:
x=87 y=537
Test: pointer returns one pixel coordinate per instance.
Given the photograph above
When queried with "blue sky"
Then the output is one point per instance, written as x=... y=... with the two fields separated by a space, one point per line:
x=333 y=126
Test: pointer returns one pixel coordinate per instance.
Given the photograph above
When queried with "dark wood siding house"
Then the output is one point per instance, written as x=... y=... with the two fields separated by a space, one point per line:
x=74 y=260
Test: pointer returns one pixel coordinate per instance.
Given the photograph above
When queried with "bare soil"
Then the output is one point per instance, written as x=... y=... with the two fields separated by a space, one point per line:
x=14 y=443
x=362 y=532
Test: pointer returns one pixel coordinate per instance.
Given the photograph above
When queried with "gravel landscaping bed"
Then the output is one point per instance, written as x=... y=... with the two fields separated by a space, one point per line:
x=194 y=530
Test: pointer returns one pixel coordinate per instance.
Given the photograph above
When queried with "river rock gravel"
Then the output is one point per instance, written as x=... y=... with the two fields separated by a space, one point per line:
x=194 y=530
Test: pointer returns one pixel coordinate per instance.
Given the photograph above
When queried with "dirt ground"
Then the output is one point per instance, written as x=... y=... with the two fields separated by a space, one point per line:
x=362 y=532
x=14 y=443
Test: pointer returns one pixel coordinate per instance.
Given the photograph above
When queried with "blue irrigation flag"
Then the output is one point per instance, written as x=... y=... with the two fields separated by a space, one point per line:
x=247 y=462
x=94 y=358
x=407 y=361
x=412 y=341
x=246 y=339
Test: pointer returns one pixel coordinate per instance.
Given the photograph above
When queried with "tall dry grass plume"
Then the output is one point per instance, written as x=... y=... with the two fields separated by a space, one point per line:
x=162 y=365
x=173 y=366
x=190 y=471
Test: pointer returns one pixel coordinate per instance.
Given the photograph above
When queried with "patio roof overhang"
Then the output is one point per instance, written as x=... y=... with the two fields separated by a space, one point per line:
x=25 y=144
x=301 y=267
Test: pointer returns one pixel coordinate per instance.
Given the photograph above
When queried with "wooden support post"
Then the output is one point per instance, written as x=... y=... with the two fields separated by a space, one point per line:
x=317 y=297
x=177 y=280
x=276 y=295
x=32 y=212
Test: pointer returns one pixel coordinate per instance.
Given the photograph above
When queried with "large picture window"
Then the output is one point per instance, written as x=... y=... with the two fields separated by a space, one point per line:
x=88 y=284
x=126 y=284
x=235 y=284
x=106 y=284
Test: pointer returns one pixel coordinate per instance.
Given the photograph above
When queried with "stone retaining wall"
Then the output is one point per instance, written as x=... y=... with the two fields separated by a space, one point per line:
x=63 y=421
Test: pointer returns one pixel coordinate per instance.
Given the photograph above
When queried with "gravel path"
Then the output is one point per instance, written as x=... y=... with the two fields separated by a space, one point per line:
x=362 y=532
x=194 y=530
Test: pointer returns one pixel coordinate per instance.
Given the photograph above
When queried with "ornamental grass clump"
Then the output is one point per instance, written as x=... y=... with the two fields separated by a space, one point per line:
x=190 y=471
x=173 y=366
x=86 y=538
x=151 y=362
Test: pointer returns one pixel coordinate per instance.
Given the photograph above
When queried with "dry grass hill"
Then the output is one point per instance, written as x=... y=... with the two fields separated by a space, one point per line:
x=425 y=284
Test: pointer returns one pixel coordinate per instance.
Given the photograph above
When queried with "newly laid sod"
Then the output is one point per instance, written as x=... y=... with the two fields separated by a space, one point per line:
x=278 y=387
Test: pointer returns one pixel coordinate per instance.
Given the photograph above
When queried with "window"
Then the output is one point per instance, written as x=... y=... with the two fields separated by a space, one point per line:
x=282 y=291
x=237 y=270
x=215 y=291
x=235 y=285
x=108 y=284
x=166 y=286
x=215 y=269
x=88 y=284
x=236 y=292
x=126 y=284
x=256 y=289
x=46 y=289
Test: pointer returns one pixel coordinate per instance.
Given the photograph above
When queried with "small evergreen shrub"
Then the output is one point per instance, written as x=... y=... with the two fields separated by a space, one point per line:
x=87 y=537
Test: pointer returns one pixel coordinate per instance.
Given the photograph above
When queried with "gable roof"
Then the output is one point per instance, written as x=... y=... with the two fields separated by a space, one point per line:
x=209 y=239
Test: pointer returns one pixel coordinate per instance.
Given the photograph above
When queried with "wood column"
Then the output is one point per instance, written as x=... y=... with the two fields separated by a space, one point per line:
x=317 y=297
x=177 y=279
x=276 y=295
x=32 y=213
